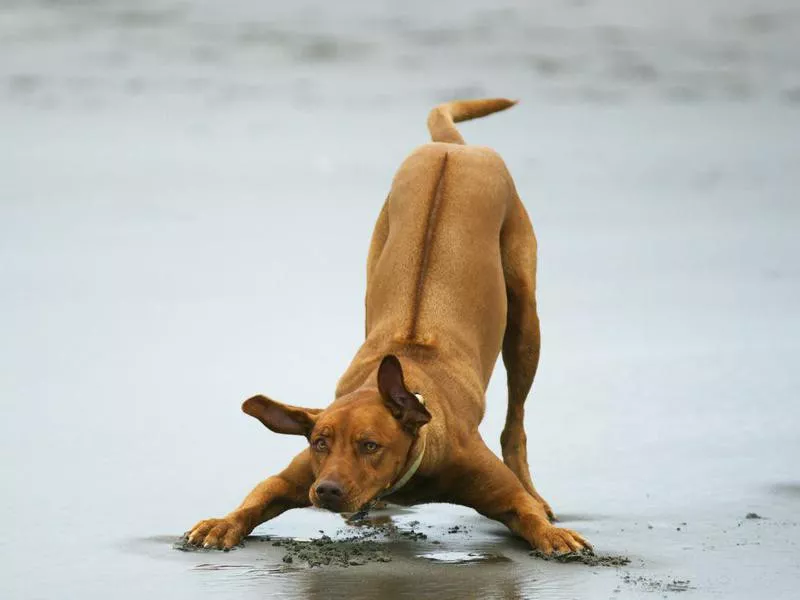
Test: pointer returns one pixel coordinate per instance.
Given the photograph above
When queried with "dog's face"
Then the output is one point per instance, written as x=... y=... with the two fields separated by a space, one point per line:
x=359 y=445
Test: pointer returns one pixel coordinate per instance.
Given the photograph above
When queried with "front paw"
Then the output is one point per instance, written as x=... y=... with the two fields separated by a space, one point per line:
x=550 y=539
x=223 y=533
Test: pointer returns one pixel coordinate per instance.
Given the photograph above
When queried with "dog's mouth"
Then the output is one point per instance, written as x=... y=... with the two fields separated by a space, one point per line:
x=342 y=509
x=343 y=506
x=336 y=505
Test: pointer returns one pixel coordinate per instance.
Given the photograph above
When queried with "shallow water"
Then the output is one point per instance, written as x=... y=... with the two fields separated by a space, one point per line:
x=163 y=171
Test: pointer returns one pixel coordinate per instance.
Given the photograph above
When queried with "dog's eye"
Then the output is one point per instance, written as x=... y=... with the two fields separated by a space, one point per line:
x=369 y=446
x=320 y=445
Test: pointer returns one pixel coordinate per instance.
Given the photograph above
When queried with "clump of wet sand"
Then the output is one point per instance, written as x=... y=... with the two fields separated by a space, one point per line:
x=351 y=551
x=325 y=551
x=586 y=557
x=182 y=544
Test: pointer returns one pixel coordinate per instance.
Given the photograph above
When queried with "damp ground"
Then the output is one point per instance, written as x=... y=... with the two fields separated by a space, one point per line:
x=455 y=553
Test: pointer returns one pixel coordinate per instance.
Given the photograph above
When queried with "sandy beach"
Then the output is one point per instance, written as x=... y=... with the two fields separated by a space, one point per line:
x=156 y=163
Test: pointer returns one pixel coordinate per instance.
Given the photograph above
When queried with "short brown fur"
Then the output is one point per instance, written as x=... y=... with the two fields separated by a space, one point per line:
x=450 y=285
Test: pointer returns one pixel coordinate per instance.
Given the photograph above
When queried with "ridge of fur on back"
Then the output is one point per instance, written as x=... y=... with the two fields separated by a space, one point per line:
x=442 y=119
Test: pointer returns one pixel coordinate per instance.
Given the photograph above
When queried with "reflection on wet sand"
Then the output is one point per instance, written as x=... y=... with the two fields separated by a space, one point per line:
x=439 y=582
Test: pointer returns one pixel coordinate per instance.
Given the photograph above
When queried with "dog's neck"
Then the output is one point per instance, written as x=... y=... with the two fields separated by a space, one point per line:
x=418 y=452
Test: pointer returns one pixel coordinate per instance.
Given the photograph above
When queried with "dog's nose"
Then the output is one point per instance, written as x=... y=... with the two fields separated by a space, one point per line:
x=330 y=494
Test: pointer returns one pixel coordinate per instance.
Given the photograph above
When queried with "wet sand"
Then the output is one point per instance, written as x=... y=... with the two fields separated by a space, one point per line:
x=159 y=165
x=476 y=559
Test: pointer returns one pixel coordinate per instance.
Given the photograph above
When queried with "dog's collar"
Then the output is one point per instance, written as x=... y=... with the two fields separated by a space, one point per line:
x=406 y=477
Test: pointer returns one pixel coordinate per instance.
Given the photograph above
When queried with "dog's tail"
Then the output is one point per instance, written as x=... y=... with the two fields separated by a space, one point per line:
x=442 y=119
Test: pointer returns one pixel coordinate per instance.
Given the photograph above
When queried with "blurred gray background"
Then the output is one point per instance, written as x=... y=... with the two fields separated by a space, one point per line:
x=187 y=191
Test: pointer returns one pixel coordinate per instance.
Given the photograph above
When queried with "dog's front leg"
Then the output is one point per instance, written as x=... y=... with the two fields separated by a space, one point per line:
x=490 y=487
x=271 y=497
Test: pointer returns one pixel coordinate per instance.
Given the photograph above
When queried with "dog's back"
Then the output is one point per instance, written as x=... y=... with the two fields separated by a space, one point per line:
x=437 y=278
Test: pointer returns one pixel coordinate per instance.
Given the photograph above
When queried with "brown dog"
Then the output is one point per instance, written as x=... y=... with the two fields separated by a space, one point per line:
x=450 y=282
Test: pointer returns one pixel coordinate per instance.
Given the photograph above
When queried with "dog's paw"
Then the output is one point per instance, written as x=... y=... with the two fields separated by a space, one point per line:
x=556 y=540
x=223 y=534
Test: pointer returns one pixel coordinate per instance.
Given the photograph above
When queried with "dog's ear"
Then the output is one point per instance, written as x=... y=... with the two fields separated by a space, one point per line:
x=281 y=418
x=404 y=406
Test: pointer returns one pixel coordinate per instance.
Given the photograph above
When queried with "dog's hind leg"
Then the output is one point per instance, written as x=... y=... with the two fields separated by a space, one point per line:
x=521 y=340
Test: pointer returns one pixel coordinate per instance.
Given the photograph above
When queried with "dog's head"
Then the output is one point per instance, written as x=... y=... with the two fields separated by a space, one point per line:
x=360 y=444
